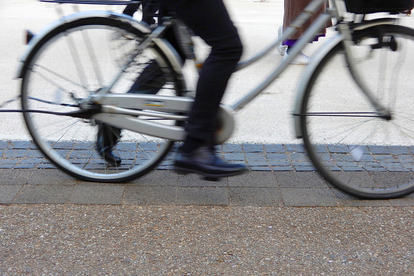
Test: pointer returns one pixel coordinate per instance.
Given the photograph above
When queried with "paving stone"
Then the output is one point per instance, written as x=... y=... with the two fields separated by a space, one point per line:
x=393 y=167
x=301 y=164
x=360 y=147
x=63 y=145
x=295 y=148
x=234 y=156
x=9 y=161
x=148 y=146
x=44 y=194
x=97 y=194
x=232 y=147
x=193 y=180
x=325 y=157
x=33 y=147
x=268 y=164
x=14 y=154
x=255 y=197
x=282 y=168
x=342 y=157
x=304 y=168
x=34 y=154
x=338 y=149
x=8 y=193
x=202 y=196
x=14 y=177
x=254 y=179
x=384 y=158
x=260 y=168
x=255 y=156
x=81 y=154
x=379 y=150
x=46 y=166
x=298 y=156
x=405 y=158
x=372 y=166
x=257 y=163
x=4 y=144
x=49 y=177
x=84 y=146
x=25 y=166
x=20 y=145
x=274 y=148
x=399 y=150
x=407 y=200
x=156 y=178
x=279 y=163
x=347 y=200
x=308 y=197
x=253 y=148
x=352 y=168
x=321 y=148
x=127 y=147
x=277 y=156
x=144 y=195
x=300 y=179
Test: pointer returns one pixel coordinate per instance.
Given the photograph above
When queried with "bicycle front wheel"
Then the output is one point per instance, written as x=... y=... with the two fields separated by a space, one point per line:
x=74 y=61
x=349 y=143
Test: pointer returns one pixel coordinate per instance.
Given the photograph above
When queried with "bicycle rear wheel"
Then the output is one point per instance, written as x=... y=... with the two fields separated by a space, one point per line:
x=352 y=147
x=74 y=61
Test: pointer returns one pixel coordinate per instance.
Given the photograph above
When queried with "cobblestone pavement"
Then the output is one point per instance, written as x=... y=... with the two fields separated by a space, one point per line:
x=281 y=175
x=259 y=157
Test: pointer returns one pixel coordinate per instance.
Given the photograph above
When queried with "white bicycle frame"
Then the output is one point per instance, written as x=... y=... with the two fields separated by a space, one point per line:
x=124 y=114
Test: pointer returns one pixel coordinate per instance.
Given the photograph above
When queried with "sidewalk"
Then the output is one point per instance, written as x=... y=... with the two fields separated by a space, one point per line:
x=280 y=176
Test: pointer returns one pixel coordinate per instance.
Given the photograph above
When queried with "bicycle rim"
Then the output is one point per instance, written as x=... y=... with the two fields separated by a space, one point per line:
x=356 y=150
x=71 y=64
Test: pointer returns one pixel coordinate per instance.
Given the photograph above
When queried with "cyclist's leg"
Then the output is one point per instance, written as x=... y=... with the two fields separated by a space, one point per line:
x=210 y=21
x=150 y=81
x=131 y=9
x=149 y=8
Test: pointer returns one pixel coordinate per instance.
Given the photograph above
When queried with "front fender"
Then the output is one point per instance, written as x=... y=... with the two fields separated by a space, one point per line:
x=39 y=38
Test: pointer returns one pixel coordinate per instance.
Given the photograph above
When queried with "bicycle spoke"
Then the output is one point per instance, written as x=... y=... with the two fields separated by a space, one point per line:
x=59 y=76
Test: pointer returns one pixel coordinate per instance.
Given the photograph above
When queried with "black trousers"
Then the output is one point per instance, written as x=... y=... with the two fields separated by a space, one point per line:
x=148 y=10
x=209 y=20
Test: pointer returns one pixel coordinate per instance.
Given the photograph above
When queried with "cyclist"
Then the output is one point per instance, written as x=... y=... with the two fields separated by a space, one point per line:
x=209 y=20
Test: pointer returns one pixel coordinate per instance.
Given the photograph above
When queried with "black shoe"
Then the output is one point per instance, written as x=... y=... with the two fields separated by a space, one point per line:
x=108 y=136
x=205 y=162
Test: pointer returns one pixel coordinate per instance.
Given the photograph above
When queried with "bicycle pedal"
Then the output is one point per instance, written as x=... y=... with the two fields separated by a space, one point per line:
x=214 y=179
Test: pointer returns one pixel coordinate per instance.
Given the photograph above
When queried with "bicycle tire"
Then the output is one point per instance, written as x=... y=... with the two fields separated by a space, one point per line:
x=367 y=157
x=63 y=68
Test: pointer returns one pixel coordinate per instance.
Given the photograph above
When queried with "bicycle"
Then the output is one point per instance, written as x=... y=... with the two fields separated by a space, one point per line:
x=64 y=96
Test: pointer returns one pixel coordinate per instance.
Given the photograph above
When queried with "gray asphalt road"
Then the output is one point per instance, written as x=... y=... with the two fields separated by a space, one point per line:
x=210 y=240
